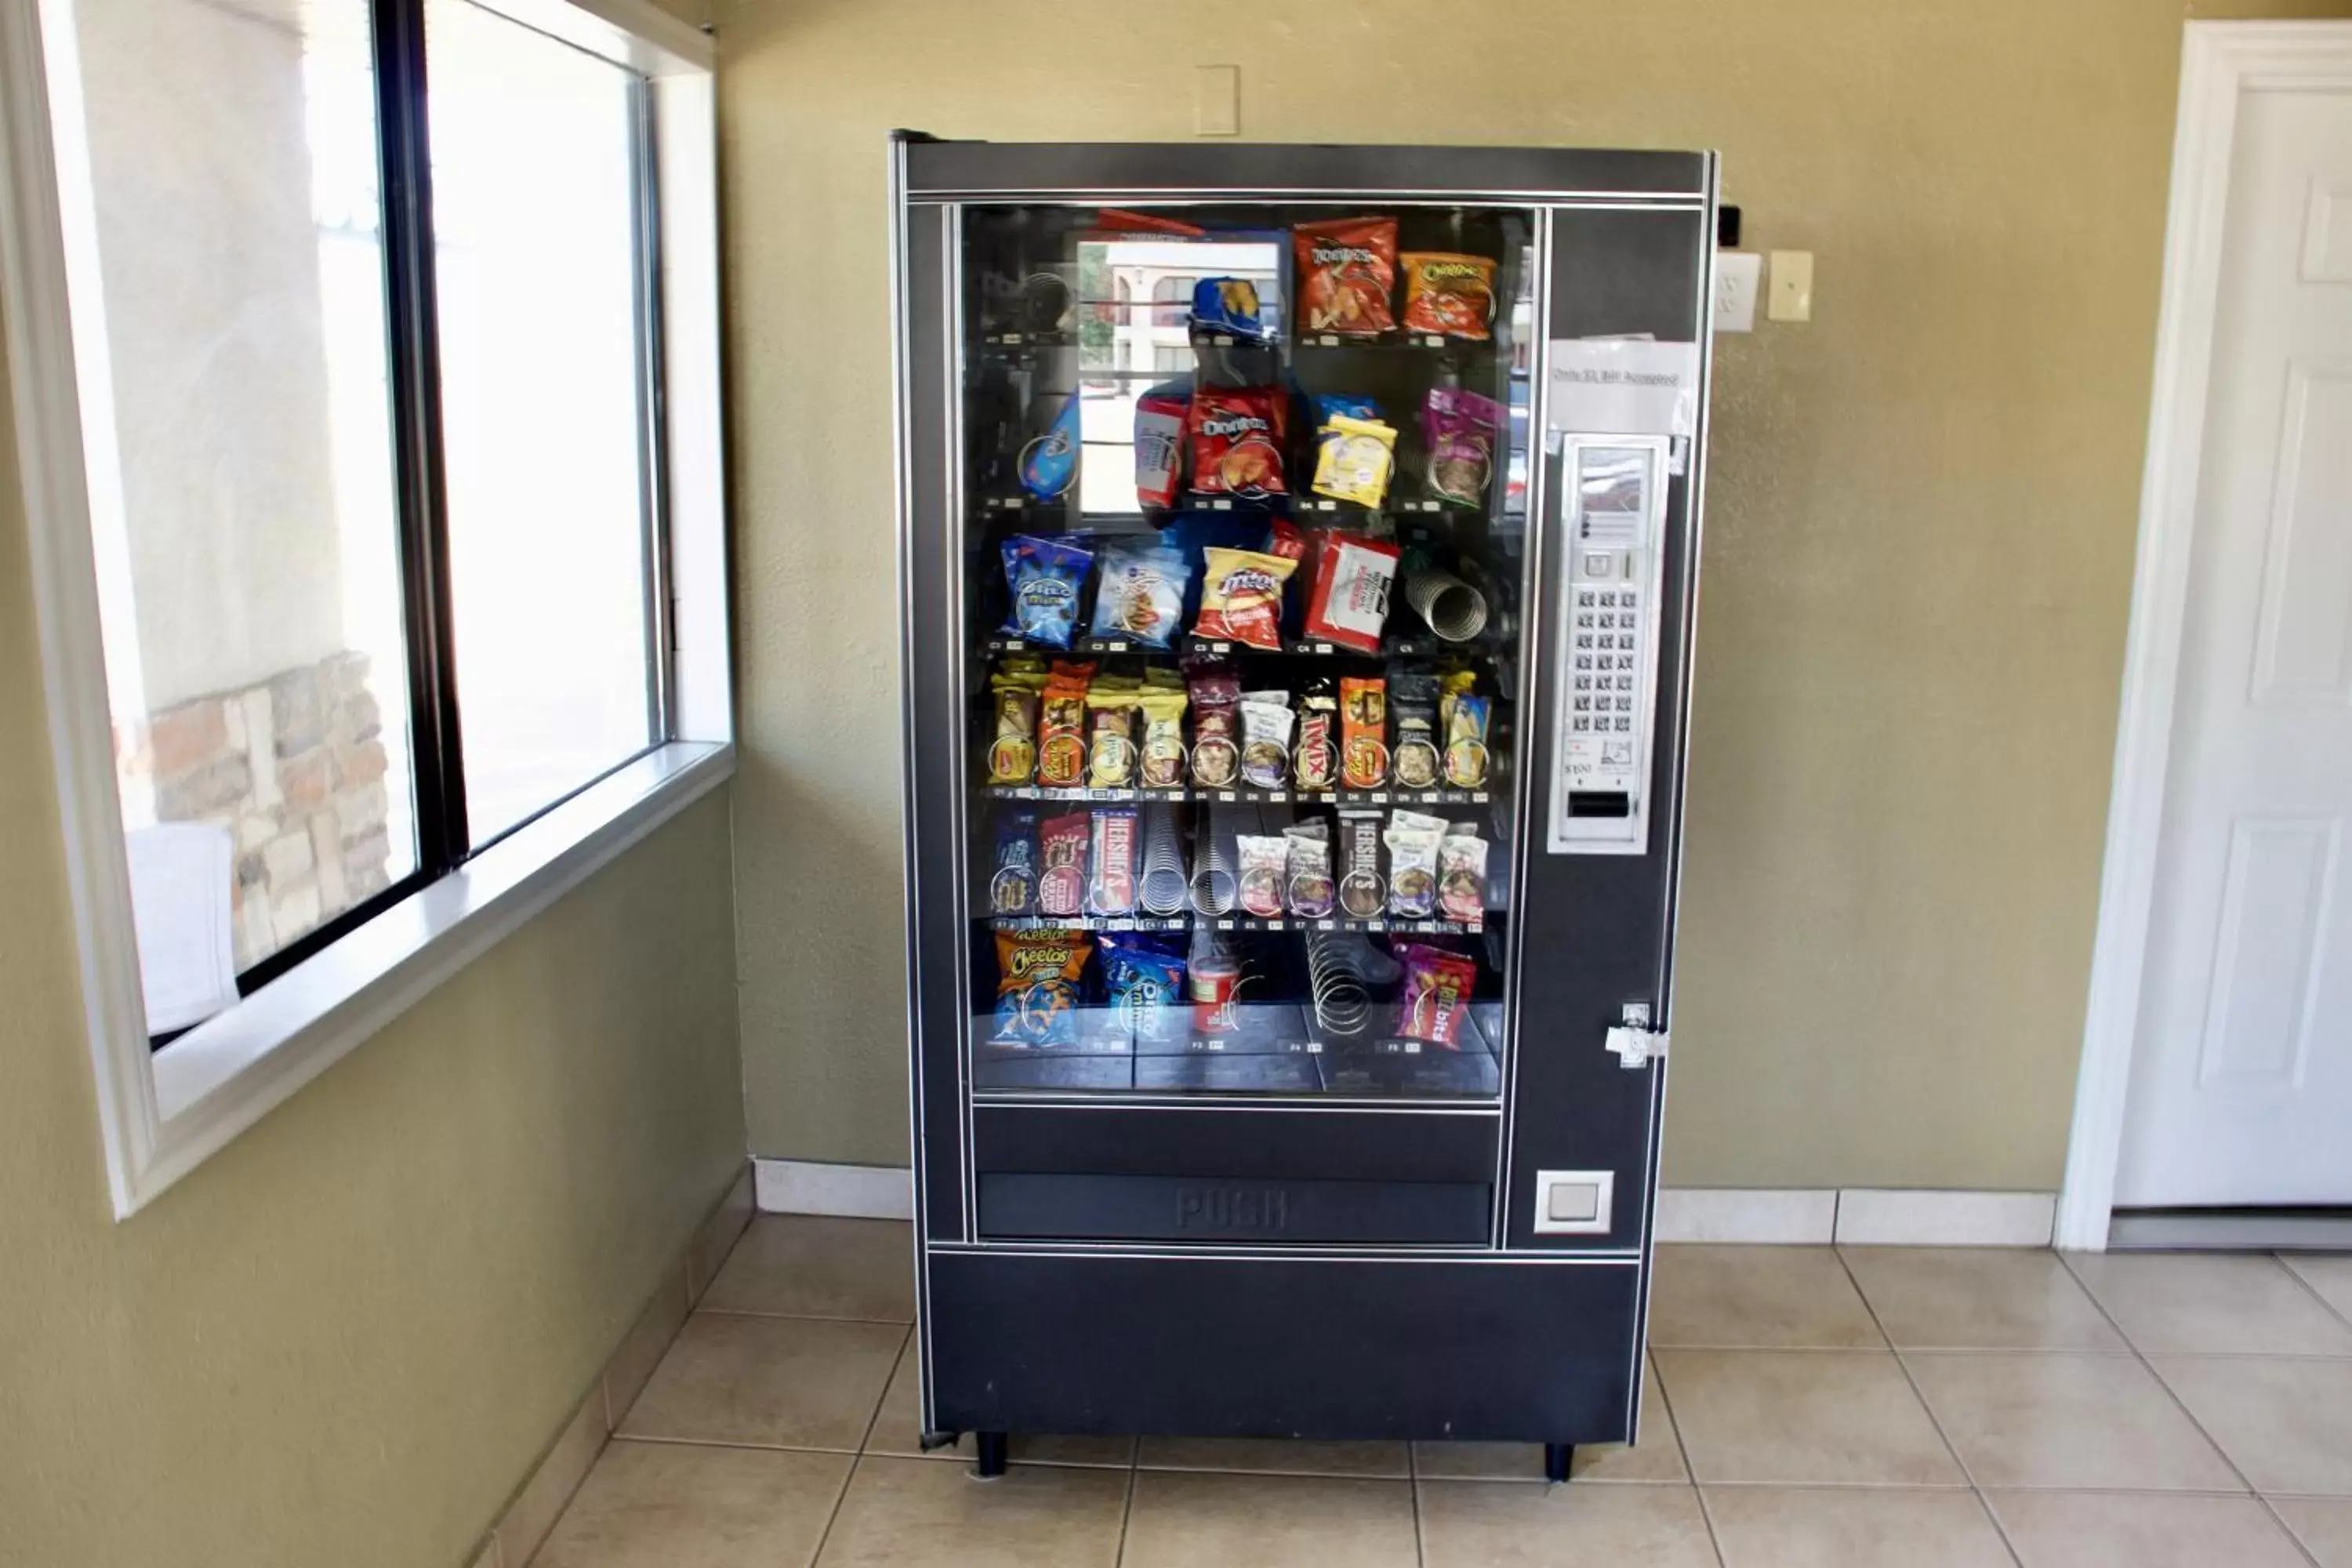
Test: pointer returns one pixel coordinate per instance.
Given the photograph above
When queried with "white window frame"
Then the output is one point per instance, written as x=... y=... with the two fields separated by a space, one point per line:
x=164 y=1112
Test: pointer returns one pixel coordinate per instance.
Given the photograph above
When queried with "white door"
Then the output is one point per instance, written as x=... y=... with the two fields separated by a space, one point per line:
x=2241 y=1074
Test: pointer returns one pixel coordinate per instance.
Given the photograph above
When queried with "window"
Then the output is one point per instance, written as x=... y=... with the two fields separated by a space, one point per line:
x=375 y=473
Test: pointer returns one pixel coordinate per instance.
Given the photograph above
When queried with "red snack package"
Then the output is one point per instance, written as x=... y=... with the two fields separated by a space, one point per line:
x=1282 y=538
x=1236 y=440
x=1350 y=602
x=1346 y=269
x=1437 y=986
x=1062 y=863
x=1158 y=448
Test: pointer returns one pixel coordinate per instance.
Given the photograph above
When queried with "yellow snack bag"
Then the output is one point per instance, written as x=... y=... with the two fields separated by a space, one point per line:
x=1355 y=460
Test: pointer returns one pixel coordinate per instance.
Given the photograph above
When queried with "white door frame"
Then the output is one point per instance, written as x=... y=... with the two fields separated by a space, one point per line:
x=2219 y=60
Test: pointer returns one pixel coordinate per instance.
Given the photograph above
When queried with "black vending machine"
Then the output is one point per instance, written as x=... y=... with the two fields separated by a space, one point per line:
x=1299 y=551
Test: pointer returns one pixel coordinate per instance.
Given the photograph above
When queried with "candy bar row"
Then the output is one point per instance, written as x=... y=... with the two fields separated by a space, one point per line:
x=1066 y=726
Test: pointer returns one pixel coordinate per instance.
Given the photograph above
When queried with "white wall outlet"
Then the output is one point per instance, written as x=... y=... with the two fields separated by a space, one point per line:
x=1217 y=100
x=1791 y=298
x=1739 y=274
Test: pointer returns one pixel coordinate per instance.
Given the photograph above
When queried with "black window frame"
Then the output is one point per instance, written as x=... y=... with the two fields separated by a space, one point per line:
x=436 y=732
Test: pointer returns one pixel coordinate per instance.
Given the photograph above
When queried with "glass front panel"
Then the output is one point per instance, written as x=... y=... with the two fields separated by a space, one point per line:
x=538 y=268
x=217 y=178
x=1245 y=491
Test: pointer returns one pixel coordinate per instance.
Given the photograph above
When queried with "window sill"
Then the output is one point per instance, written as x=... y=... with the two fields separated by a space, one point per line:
x=227 y=1073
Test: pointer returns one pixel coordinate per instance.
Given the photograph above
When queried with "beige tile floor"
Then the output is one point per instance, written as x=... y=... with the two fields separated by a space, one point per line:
x=1814 y=1407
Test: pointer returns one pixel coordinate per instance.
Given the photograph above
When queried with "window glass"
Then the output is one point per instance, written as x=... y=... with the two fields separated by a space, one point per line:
x=217 y=172
x=535 y=161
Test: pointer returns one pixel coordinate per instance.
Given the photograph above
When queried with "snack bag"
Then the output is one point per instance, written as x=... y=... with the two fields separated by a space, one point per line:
x=1412 y=840
x=1146 y=982
x=1346 y=269
x=1012 y=887
x=1012 y=753
x=1349 y=603
x=1352 y=461
x=1460 y=430
x=1465 y=721
x=1447 y=293
x=1061 y=864
x=1037 y=987
x=1061 y=726
x=1330 y=406
x=1158 y=448
x=1310 y=892
x=1267 y=721
x=1264 y=871
x=1228 y=305
x=1282 y=538
x=1363 y=732
x=1415 y=761
x=1111 y=891
x=1050 y=461
x=1462 y=874
x=1241 y=596
x=1216 y=696
x=1162 y=764
x=1236 y=437
x=1362 y=892
x=1315 y=760
x=1045 y=576
x=1437 y=987
x=1110 y=736
x=1141 y=593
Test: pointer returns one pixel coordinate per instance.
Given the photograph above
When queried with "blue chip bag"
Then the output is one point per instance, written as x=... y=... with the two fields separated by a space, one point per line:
x=1344 y=405
x=1229 y=305
x=1145 y=978
x=1012 y=886
x=1050 y=462
x=1045 y=577
x=1141 y=595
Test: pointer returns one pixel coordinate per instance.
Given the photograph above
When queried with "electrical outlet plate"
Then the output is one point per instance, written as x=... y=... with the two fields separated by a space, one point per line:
x=1792 y=287
x=1217 y=100
x=1738 y=277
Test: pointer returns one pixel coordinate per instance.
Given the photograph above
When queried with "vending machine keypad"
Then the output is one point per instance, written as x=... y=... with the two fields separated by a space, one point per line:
x=1613 y=494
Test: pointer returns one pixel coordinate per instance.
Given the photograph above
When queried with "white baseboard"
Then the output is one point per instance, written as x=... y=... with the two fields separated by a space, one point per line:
x=1869 y=1217
x=1873 y=1216
x=811 y=1186
x=1787 y=1216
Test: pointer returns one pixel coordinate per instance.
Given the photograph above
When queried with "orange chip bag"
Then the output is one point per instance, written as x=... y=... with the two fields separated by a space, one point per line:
x=1450 y=294
x=1241 y=596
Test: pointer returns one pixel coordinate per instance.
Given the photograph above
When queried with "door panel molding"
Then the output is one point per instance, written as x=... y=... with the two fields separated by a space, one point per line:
x=2220 y=61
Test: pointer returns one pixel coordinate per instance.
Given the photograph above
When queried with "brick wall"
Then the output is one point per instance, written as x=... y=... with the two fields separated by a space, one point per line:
x=295 y=769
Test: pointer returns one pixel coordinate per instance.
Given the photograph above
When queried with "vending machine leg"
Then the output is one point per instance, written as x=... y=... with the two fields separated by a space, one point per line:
x=1557 y=1456
x=988 y=1448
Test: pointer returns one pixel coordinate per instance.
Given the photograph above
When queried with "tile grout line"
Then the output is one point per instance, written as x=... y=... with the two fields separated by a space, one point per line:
x=1413 y=1482
x=2310 y=1290
x=832 y=1518
x=2188 y=1414
x=1682 y=1450
x=1126 y=1506
x=1934 y=1420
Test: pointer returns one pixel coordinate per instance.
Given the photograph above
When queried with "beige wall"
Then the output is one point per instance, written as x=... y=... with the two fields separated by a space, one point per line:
x=346 y=1338
x=1918 y=549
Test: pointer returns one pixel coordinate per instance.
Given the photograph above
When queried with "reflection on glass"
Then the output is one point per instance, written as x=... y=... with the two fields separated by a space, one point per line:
x=1239 y=716
x=217 y=174
x=534 y=149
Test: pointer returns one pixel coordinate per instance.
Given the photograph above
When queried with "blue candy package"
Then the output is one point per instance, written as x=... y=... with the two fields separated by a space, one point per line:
x=1012 y=887
x=1050 y=462
x=1045 y=577
x=1229 y=305
x=1145 y=978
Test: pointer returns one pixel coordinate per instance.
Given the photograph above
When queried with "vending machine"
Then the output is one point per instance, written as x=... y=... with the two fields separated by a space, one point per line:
x=1299 y=551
